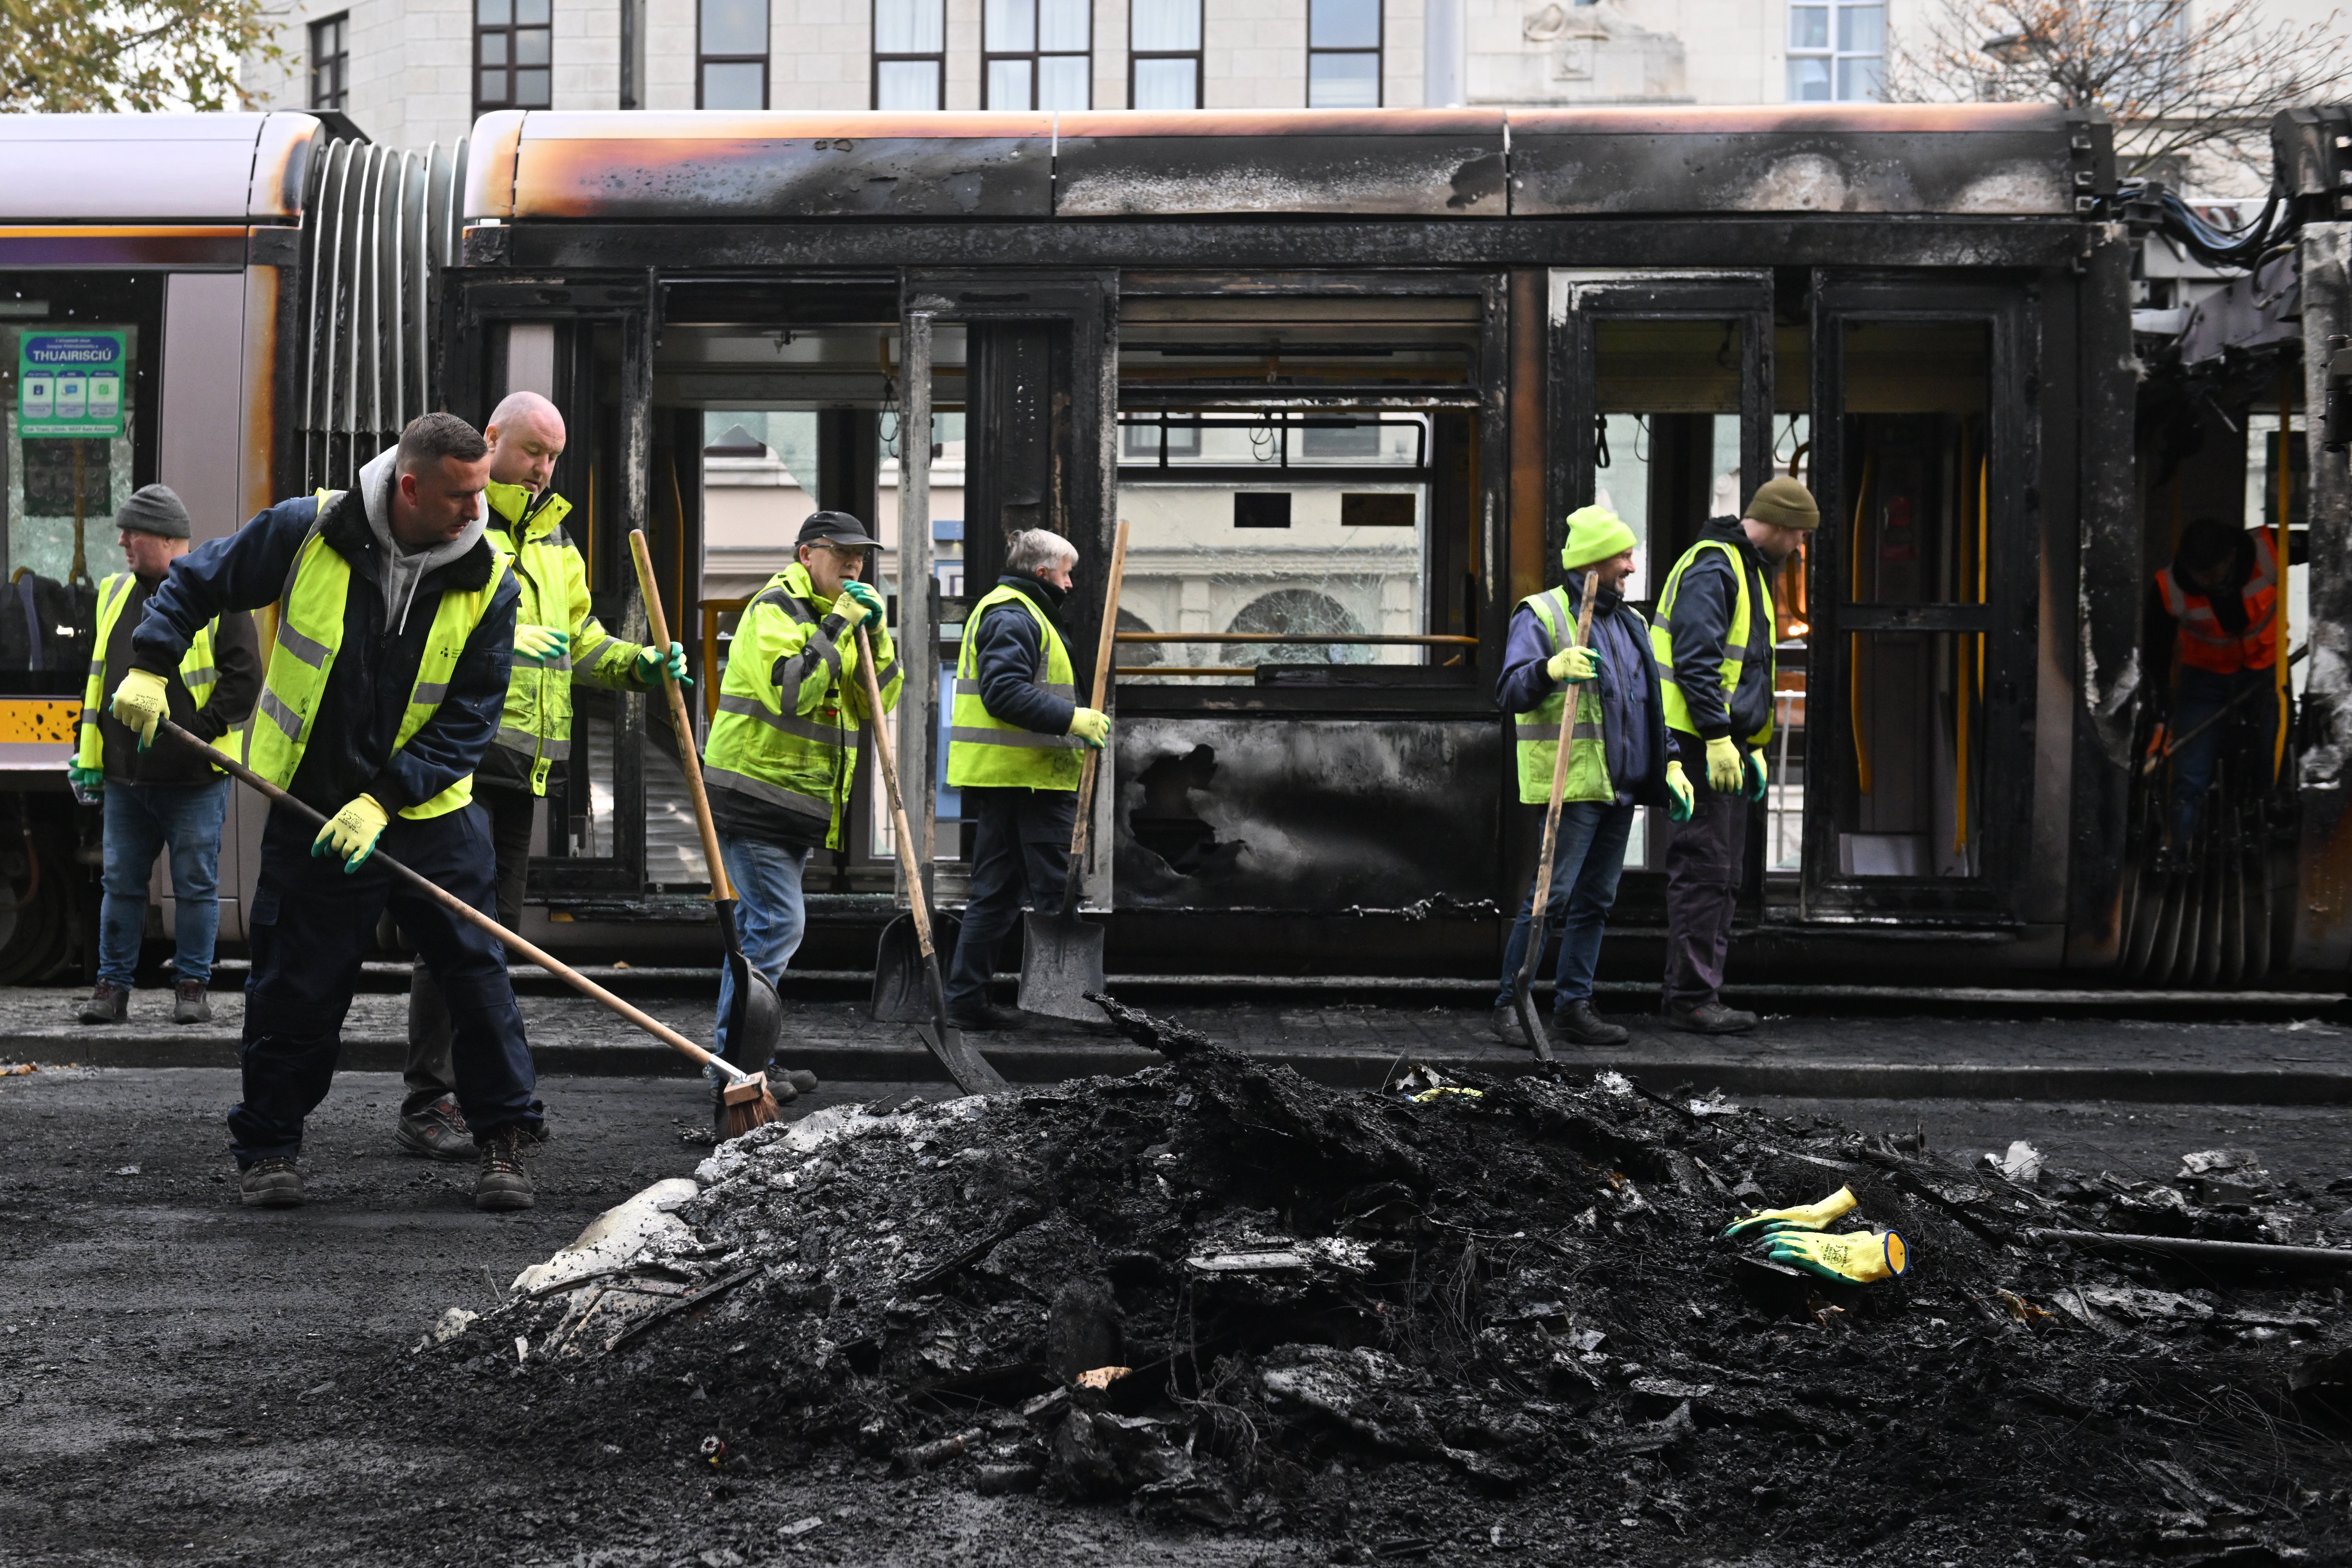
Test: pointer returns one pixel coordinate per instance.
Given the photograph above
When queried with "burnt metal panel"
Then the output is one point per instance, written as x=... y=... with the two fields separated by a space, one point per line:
x=1976 y=160
x=1433 y=162
x=281 y=165
x=490 y=166
x=776 y=165
x=1310 y=814
x=2323 y=926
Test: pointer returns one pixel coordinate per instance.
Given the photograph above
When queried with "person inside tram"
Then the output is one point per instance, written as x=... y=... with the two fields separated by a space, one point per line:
x=558 y=641
x=782 y=756
x=2213 y=614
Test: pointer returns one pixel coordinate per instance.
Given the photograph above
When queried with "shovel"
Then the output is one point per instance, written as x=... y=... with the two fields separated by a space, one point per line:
x=901 y=995
x=1523 y=997
x=1061 y=955
x=966 y=1066
x=755 y=1017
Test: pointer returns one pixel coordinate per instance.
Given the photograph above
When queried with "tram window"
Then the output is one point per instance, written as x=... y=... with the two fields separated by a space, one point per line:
x=1917 y=484
x=1275 y=523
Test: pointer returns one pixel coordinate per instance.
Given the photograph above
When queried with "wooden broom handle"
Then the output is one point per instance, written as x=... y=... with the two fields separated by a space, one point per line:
x=1106 y=647
x=884 y=754
x=721 y=890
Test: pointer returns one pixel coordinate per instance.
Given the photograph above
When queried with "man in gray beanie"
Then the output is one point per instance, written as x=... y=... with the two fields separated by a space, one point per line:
x=169 y=794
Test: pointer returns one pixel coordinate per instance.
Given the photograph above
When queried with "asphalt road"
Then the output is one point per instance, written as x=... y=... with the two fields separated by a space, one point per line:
x=172 y=1366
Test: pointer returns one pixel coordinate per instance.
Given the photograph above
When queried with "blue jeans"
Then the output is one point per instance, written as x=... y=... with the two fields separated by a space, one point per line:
x=2198 y=696
x=770 y=913
x=1587 y=859
x=141 y=819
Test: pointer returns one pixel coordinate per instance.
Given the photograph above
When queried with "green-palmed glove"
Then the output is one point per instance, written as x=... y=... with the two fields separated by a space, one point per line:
x=1859 y=1257
x=351 y=834
x=855 y=603
x=1678 y=791
x=1756 y=775
x=92 y=779
x=865 y=593
x=542 y=645
x=1724 y=773
x=1805 y=1216
x=652 y=662
x=1574 y=664
x=139 y=704
x=1090 y=726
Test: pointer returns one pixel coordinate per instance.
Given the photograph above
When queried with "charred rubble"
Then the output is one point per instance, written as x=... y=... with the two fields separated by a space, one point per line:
x=1225 y=1297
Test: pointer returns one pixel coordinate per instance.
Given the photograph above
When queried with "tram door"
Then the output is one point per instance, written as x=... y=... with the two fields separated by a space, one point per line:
x=1662 y=382
x=1919 y=762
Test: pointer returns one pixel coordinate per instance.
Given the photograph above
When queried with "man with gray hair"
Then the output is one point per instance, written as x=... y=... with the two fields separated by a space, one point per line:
x=1015 y=750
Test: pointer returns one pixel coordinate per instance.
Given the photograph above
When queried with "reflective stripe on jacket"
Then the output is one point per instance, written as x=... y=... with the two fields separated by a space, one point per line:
x=792 y=702
x=553 y=577
x=986 y=752
x=1734 y=642
x=310 y=634
x=2204 y=643
x=198 y=673
x=1539 y=731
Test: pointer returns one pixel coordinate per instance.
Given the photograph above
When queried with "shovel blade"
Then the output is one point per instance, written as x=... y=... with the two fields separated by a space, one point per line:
x=755 y=1020
x=966 y=1066
x=1523 y=1002
x=901 y=985
x=1061 y=960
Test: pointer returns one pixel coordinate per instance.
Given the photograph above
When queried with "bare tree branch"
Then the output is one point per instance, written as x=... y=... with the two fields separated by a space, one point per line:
x=2178 y=81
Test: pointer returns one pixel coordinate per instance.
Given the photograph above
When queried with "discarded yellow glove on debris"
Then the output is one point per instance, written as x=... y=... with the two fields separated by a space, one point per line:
x=1805 y=1216
x=1858 y=1259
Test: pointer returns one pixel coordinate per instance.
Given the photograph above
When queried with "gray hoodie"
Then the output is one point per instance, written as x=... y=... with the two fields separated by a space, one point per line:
x=405 y=569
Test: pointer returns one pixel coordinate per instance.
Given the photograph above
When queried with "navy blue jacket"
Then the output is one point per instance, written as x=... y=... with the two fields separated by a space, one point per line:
x=1700 y=627
x=1011 y=658
x=1633 y=714
x=350 y=748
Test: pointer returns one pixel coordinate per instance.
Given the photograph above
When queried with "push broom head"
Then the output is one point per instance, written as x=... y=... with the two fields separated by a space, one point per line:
x=748 y=1104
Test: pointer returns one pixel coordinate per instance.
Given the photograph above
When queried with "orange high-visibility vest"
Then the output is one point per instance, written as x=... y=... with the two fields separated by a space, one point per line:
x=2205 y=644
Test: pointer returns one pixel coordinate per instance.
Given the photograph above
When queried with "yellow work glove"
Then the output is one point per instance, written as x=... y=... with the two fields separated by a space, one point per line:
x=1724 y=773
x=1858 y=1259
x=1756 y=775
x=352 y=832
x=139 y=704
x=1573 y=664
x=1804 y=1216
x=652 y=661
x=1092 y=727
x=857 y=601
x=542 y=645
x=1678 y=787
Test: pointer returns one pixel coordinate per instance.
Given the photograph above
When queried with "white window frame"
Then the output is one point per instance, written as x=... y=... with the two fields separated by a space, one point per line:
x=1836 y=58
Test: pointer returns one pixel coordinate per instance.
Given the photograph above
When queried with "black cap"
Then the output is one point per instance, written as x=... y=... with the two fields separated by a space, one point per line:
x=836 y=528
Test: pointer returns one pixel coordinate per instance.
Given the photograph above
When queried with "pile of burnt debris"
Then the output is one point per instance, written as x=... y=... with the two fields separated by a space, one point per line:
x=1222 y=1296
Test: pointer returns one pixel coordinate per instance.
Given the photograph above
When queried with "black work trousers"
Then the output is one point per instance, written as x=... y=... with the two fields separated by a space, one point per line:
x=313 y=923
x=1020 y=853
x=430 y=1077
x=1705 y=859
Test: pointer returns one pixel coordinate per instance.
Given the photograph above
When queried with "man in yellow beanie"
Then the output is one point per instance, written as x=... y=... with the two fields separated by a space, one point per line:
x=1712 y=646
x=1617 y=760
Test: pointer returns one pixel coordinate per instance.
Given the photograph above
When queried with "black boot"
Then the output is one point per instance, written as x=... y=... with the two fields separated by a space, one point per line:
x=1577 y=1023
x=1710 y=1018
x=501 y=1182
x=107 y=1004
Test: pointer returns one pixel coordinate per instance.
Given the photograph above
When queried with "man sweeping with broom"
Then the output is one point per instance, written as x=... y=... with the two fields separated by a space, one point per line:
x=396 y=620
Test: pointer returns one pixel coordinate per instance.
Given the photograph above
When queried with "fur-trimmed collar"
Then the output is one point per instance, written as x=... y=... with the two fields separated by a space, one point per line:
x=344 y=527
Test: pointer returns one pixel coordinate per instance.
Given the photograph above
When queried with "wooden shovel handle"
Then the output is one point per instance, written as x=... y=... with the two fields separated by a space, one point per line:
x=720 y=889
x=1559 y=770
x=885 y=754
x=1106 y=646
x=468 y=912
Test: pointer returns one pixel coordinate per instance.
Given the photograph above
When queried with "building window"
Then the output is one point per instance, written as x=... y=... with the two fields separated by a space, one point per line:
x=1164 y=54
x=731 y=55
x=512 y=45
x=1038 y=53
x=1837 y=49
x=910 y=44
x=1343 y=53
x=330 y=61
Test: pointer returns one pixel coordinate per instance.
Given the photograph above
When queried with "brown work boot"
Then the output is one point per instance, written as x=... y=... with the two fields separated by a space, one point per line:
x=1710 y=1018
x=1578 y=1024
x=438 y=1132
x=501 y=1182
x=273 y=1184
x=107 y=1004
x=189 y=1003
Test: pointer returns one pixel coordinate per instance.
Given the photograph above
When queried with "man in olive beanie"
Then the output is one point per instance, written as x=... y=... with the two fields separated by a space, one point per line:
x=1617 y=760
x=1713 y=647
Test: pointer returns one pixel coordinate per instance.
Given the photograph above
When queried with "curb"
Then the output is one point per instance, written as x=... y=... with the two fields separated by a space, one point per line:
x=847 y=1061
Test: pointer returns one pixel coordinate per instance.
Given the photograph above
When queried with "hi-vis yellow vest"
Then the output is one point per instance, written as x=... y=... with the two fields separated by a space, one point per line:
x=310 y=635
x=1735 y=645
x=197 y=673
x=1538 y=732
x=985 y=752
